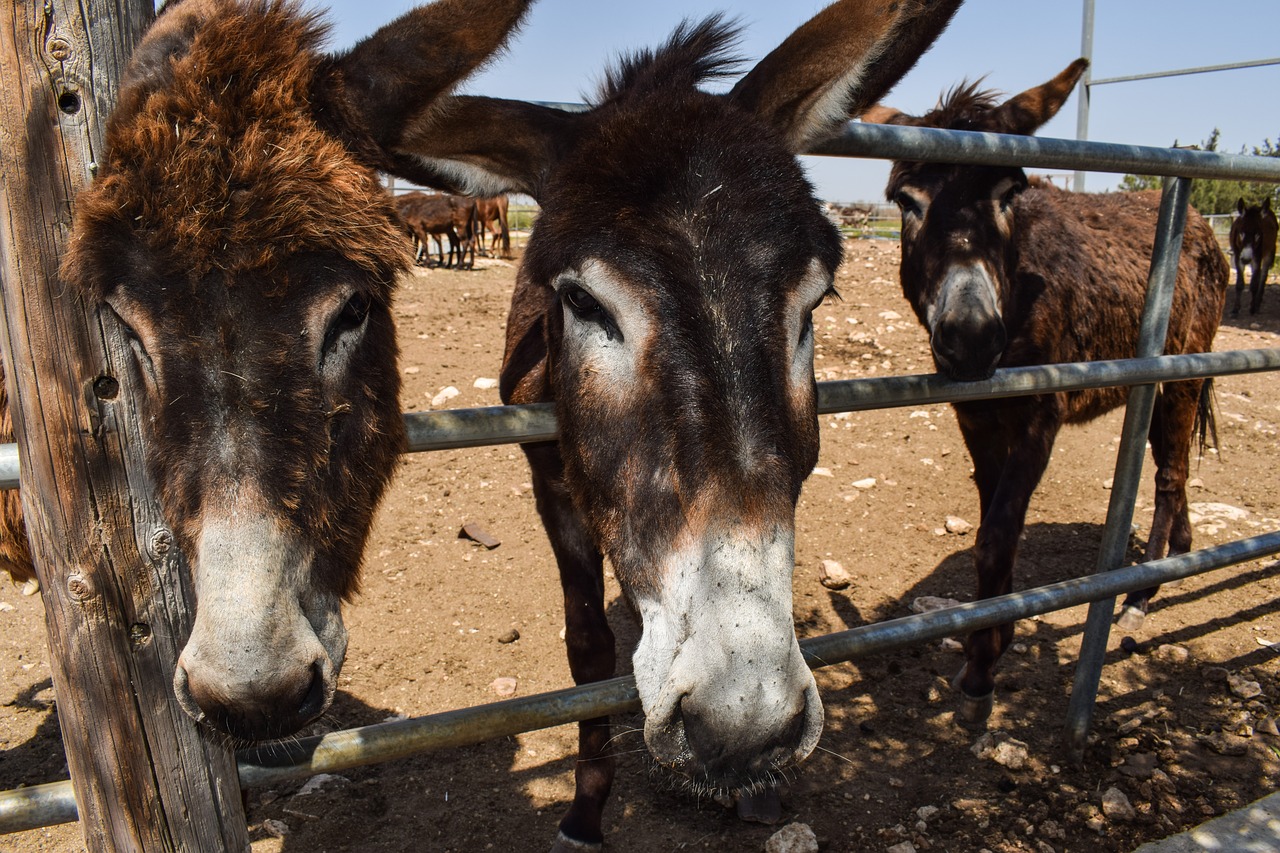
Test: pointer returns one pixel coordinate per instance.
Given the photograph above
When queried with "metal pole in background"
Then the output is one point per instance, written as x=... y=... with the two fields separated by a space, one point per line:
x=1082 y=106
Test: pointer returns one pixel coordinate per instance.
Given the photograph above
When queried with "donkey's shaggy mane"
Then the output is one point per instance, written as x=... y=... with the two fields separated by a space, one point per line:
x=216 y=161
x=695 y=53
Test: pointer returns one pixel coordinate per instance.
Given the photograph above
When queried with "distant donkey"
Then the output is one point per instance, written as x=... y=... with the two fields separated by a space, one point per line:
x=1004 y=273
x=665 y=305
x=492 y=213
x=237 y=233
x=1253 y=245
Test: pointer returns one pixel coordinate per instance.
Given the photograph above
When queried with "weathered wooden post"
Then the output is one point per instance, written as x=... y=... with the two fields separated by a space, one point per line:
x=116 y=594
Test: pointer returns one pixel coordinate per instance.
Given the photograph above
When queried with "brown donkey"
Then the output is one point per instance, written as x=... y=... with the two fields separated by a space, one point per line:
x=238 y=234
x=1004 y=273
x=677 y=345
x=1253 y=245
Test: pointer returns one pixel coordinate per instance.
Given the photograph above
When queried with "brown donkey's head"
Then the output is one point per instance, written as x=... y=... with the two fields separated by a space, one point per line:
x=958 y=247
x=665 y=304
x=238 y=234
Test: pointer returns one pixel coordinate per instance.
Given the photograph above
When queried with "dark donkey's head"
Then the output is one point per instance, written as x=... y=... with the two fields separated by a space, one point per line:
x=958 y=244
x=238 y=234
x=665 y=303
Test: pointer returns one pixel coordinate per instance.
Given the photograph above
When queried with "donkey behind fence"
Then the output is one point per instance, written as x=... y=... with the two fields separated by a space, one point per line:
x=1002 y=273
x=238 y=234
x=1253 y=247
x=677 y=345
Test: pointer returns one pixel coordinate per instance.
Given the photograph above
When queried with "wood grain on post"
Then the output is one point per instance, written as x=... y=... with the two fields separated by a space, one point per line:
x=118 y=603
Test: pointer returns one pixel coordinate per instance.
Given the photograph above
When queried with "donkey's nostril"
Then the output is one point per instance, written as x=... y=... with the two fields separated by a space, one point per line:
x=313 y=703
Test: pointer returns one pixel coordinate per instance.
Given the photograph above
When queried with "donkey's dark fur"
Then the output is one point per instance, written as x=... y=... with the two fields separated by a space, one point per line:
x=676 y=342
x=1005 y=273
x=1253 y=245
x=238 y=234
x=439 y=216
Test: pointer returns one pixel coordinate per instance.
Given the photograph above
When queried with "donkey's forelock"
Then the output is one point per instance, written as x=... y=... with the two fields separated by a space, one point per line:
x=963 y=107
x=216 y=160
x=695 y=53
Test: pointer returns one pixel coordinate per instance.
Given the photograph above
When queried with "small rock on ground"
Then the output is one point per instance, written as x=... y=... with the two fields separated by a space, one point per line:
x=833 y=575
x=1116 y=805
x=792 y=838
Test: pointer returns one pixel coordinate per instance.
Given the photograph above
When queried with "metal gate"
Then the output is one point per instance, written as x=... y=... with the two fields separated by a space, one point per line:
x=44 y=805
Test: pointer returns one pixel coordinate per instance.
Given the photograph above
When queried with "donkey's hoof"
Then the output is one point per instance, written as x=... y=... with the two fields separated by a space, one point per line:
x=975 y=710
x=764 y=807
x=565 y=844
x=1131 y=619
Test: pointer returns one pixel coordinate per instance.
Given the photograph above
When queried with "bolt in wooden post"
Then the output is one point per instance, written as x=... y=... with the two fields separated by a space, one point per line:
x=117 y=598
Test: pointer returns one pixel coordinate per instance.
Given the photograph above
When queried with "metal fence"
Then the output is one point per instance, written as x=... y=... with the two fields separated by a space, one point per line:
x=42 y=805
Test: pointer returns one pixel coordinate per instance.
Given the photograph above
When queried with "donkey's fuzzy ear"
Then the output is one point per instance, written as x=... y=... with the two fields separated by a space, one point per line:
x=395 y=75
x=843 y=60
x=1026 y=112
x=485 y=146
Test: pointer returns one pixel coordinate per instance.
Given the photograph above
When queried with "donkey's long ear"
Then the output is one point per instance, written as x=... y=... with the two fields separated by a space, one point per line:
x=485 y=146
x=1025 y=113
x=843 y=60
x=396 y=75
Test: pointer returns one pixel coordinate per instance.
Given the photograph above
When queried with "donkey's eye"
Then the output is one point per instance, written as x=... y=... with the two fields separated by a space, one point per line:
x=1008 y=197
x=583 y=304
x=908 y=204
x=588 y=309
x=353 y=315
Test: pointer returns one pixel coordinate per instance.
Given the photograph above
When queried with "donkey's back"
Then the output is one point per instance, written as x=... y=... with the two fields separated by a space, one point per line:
x=1084 y=260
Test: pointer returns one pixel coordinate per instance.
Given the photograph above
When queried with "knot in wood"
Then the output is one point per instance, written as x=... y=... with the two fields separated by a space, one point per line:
x=161 y=541
x=59 y=48
x=80 y=588
x=106 y=387
x=139 y=634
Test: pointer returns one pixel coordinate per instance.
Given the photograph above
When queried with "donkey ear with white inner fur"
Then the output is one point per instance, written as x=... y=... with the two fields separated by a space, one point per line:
x=843 y=60
x=487 y=146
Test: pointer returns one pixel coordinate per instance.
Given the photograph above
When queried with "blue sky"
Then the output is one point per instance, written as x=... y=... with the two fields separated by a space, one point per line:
x=1016 y=44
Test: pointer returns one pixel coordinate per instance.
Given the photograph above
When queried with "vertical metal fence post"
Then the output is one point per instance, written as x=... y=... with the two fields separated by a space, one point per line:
x=1083 y=93
x=1137 y=422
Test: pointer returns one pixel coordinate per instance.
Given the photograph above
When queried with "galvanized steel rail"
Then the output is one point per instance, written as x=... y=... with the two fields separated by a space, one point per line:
x=451 y=429
x=41 y=805
x=44 y=805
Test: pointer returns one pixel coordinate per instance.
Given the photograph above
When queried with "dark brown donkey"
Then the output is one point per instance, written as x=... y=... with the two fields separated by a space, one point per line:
x=1002 y=273
x=677 y=344
x=492 y=213
x=238 y=234
x=436 y=216
x=1253 y=245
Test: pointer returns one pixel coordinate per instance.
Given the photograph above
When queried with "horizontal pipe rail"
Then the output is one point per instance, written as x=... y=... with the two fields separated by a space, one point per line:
x=859 y=139
x=897 y=142
x=493 y=425
x=1179 y=72
x=45 y=805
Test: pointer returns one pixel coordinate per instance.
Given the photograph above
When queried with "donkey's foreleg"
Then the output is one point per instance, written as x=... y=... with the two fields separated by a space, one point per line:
x=588 y=640
x=996 y=549
x=1172 y=427
x=1258 y=285
x=1239 y=287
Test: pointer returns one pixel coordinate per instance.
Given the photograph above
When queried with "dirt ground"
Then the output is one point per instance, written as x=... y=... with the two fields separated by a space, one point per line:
x=1171 y=734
